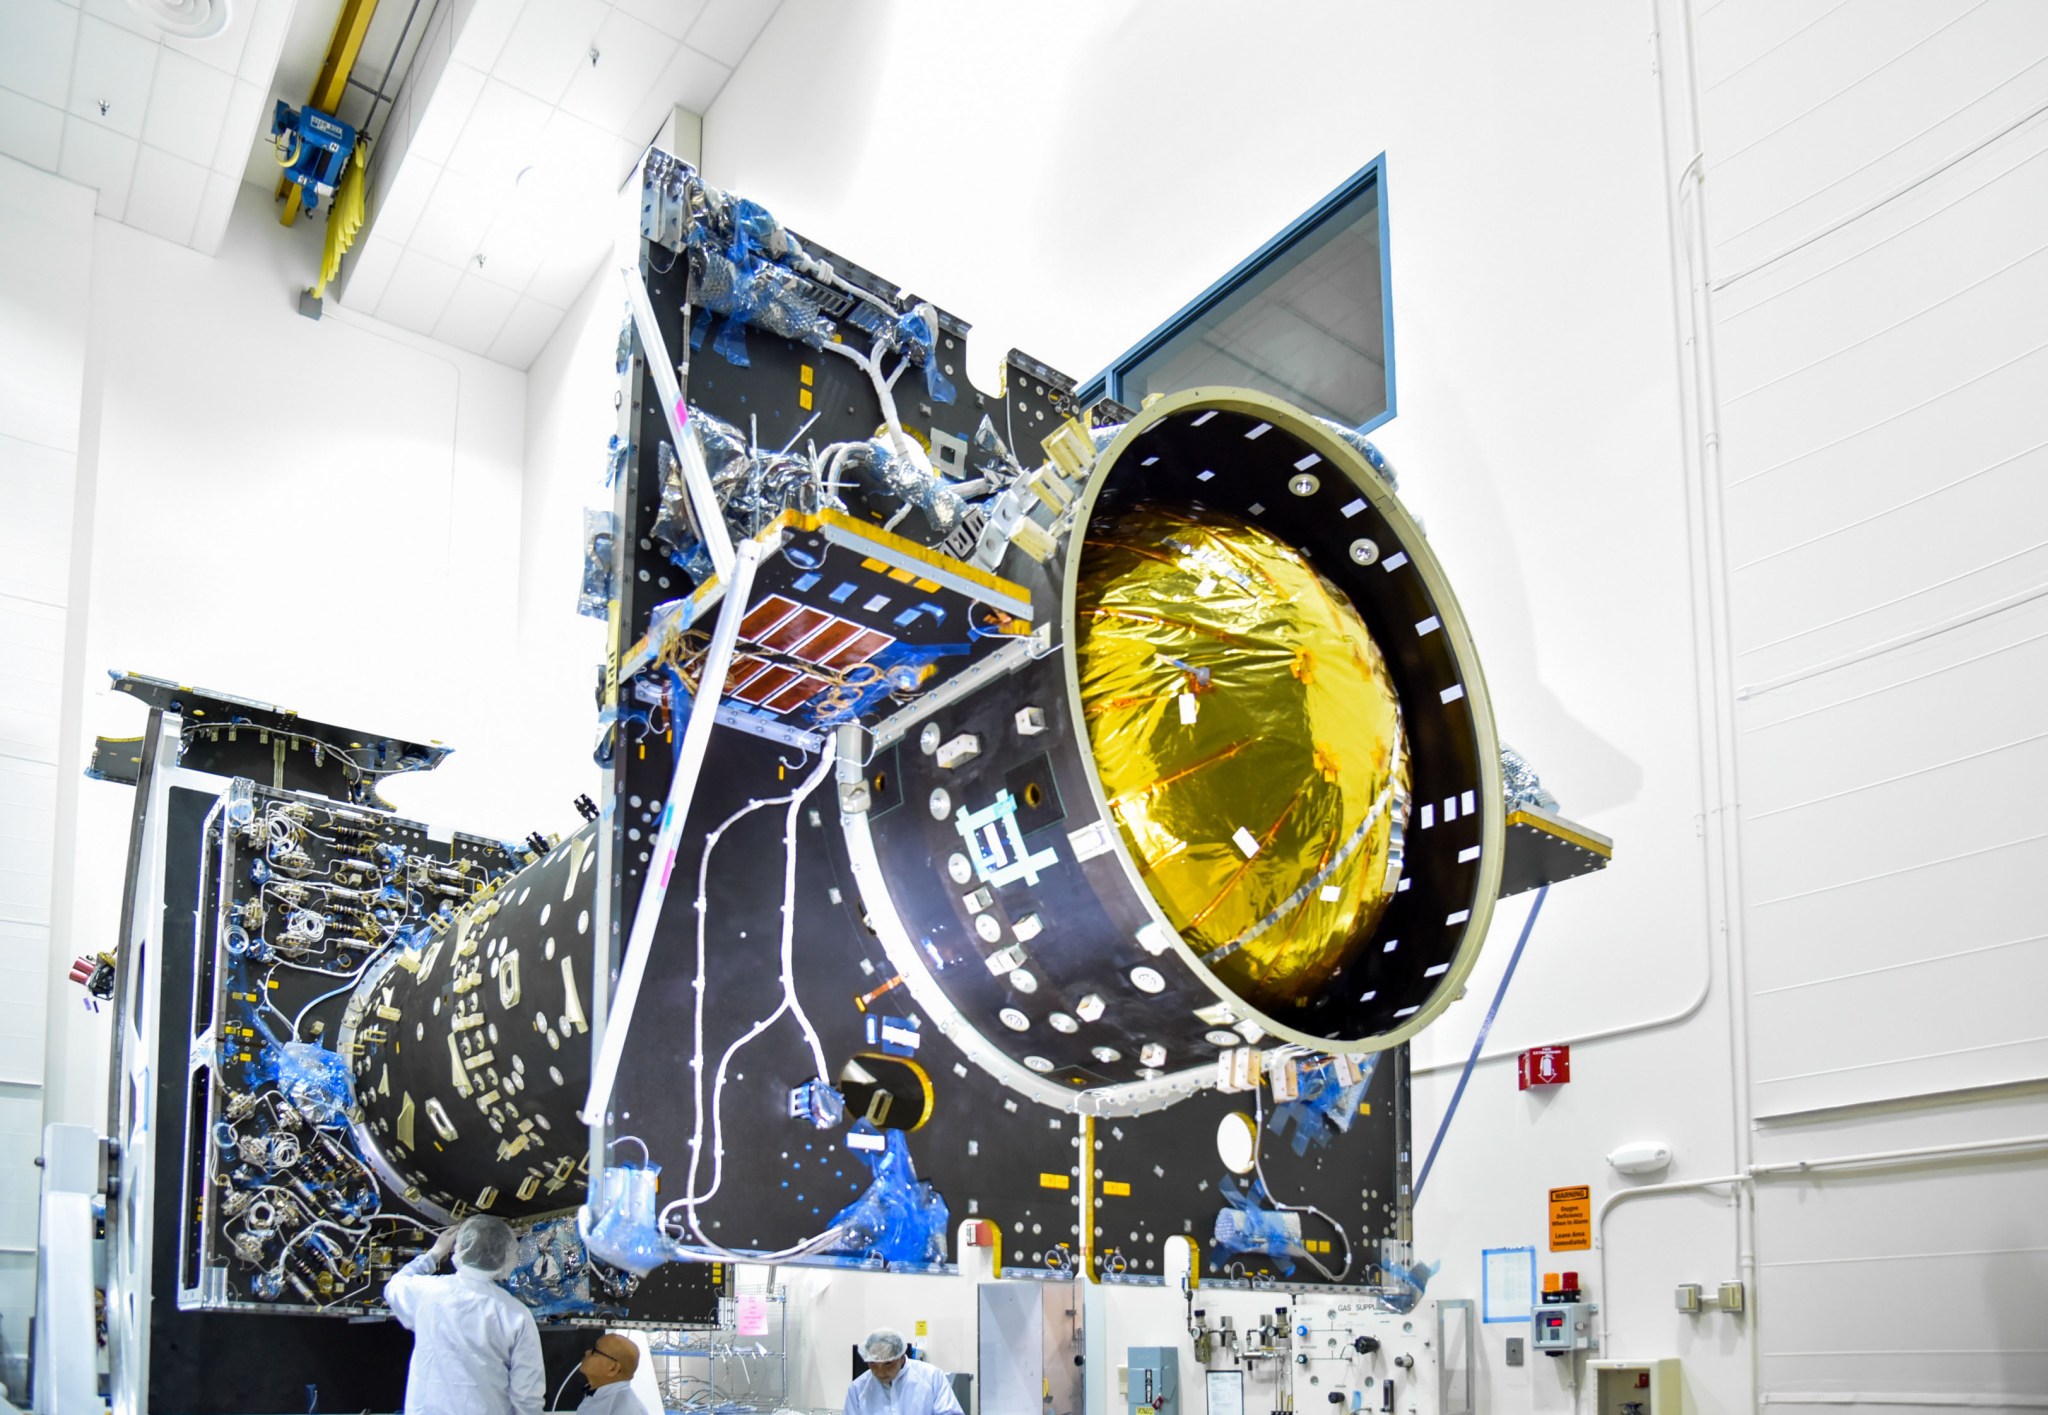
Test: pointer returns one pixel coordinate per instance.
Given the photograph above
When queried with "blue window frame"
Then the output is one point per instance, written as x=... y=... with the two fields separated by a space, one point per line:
x=1307 y=317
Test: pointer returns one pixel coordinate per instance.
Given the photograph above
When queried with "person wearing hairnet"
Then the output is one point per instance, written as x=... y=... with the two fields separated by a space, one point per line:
x=475 y=1349
x=896 y=1383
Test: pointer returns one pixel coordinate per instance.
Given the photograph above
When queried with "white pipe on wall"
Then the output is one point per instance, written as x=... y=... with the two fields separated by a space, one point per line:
x=1864 y=1397
x=1745 y=1182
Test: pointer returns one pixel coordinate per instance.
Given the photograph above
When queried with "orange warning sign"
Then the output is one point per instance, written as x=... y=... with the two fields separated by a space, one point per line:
x=1571 y=1218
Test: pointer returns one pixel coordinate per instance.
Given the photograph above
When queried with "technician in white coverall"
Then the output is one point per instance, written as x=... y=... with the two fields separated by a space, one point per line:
x=475 y=1349
x=895 y=1384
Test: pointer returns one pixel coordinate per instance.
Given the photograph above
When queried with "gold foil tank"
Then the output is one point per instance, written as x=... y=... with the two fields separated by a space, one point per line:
x=1249 y=741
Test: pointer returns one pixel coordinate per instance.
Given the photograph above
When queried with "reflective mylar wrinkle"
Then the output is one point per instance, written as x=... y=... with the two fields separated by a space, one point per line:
x=1248 y=737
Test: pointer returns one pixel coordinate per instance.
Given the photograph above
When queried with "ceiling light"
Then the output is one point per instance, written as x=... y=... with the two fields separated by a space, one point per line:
x=184 y=19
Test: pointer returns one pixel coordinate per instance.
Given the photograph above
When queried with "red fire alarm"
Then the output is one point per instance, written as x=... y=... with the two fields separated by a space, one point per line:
x=1543 y=1066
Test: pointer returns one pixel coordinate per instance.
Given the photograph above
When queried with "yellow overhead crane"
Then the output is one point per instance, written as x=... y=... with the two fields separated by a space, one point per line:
x=347 y=43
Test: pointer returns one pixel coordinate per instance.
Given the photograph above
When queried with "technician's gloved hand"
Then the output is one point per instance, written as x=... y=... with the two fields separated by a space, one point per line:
x=445 y=1244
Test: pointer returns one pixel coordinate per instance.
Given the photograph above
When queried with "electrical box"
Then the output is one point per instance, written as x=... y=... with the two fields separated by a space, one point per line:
x=1152 y=1386
x=1636 y=1387
x=1558 y=1328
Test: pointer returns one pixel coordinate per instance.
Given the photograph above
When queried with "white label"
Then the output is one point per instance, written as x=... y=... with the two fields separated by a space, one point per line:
x=902 y=1036
x=861 y=1140
x=1331 y=894
x=1245 y=841
x=1090 y=840
x=1189 y=709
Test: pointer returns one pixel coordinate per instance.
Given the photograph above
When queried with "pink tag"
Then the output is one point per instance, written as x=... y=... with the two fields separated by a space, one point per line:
x=753 y=1315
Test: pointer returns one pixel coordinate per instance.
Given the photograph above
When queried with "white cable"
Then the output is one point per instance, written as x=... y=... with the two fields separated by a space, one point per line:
x=1259 y=1173
x=794 y=800
x=870 y=365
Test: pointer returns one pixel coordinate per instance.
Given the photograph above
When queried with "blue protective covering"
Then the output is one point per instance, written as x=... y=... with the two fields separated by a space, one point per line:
x=742 y=281
x=314 y=1080
x=915 y=330
x=620 y=1225
x=1373 y=456
x=600 y=529
x=900 y=1219
x=1323 y=1107
x=1251 y=1225
x=552 y=1273
x=1402 y=1281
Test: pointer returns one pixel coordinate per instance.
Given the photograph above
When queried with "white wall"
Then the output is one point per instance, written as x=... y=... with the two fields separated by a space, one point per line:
x=571 y=414
x=1650 y=497
x=319 y=514
x=1870 y=283
x=45 y=262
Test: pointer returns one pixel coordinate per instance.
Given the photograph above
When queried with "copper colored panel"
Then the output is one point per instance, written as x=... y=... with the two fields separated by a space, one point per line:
x=796 y=694
x=830 y=639
x=792 y=631
x=859 y=650
x=766 y=615
x=766 y=685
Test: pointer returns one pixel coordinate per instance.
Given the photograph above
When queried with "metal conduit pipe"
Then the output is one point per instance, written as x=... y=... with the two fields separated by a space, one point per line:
x=2012 y=1145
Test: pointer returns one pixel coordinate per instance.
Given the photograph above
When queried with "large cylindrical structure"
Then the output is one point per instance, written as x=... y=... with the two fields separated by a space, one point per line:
x=1249 y=791
x=472 y=1049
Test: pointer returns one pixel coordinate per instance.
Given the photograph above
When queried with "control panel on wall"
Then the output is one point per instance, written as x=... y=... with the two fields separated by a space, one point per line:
x=1152 y=1381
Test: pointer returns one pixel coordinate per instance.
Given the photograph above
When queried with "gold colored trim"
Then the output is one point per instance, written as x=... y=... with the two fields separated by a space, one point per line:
x=1088 y=1198
x=924 y=1080
x=1550 y=825
x=888 y=543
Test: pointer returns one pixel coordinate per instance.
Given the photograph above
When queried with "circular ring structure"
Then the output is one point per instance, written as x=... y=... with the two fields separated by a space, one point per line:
x=1057 y=890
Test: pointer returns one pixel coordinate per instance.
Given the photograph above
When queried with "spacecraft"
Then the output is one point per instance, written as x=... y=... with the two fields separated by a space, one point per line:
x=1049 y=816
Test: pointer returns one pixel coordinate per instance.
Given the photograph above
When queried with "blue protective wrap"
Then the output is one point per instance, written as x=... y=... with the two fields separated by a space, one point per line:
x=1251 y=1225
x=742 y=281
x=314 y=1080
x=900 y=1219
x=916 y=330
x=600 y=529
x=1323 y=1107
x=1402 y=1281
x=619 y=1225
x=1373 y=456
x=552 y=1273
